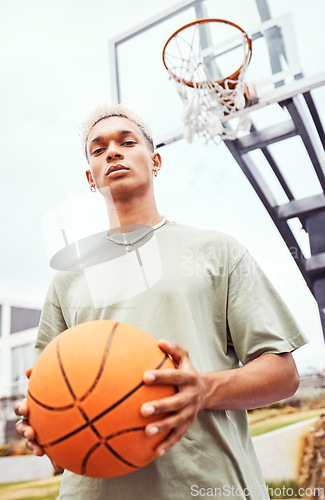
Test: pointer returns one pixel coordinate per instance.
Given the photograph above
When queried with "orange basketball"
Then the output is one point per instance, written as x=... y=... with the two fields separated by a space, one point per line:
x=85 y=394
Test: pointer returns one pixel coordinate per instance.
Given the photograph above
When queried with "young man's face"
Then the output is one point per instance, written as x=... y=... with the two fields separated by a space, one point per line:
x=120 y=156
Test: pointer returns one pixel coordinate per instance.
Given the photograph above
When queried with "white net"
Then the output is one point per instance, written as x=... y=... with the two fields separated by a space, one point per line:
x=208 y=105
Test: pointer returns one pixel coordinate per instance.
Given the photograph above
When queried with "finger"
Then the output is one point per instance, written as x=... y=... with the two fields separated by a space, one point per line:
x=165 y=405
x=172 y=438
x=21 y=409
x=34 y=448
x=171 y=421
x=169 y=377
x=176 y=351
x=23 y=429
x=28 y=432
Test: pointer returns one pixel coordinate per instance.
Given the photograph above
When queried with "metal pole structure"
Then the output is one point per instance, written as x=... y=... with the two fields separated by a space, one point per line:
x=316 y=230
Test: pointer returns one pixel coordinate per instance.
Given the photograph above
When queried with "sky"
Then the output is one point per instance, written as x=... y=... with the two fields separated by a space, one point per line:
x=55 y=69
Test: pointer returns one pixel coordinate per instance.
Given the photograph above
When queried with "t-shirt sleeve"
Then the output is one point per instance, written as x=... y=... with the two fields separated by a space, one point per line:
x=259 y=321
x=52 y=321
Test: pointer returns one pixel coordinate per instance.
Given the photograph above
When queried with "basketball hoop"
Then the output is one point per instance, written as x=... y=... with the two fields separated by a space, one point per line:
x=209 y=103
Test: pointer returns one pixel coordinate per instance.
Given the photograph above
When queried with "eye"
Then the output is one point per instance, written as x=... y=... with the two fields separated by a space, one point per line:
x=97 y=151
x=129 y=143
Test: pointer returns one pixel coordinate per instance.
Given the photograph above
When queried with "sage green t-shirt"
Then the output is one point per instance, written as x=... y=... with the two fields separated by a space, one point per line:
x=203 y=290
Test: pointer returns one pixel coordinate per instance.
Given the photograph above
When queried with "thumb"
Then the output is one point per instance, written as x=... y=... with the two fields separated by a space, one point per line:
x=29 y=371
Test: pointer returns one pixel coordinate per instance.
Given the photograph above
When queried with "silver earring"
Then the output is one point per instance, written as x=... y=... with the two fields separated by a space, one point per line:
x=92 y=187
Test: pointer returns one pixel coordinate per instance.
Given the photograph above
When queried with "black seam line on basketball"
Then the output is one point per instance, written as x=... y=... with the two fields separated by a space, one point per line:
x=87 y=456
x=67 y=436
x=107 y=348
x=120 y=458
x=51 y=408
x=96 y=432
x=94 y=448
x=125 y=431
x=83 y=413
x=92 y=427
x=89 y=423
x=62 y=369
x=117 y=403
x=75 y=431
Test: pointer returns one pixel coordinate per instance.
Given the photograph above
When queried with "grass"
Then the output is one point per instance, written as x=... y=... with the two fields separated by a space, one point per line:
x=266 y=421
x=283 y=490
x=45 y=489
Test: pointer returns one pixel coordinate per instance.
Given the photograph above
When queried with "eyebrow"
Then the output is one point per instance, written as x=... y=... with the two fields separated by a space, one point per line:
x=100 y=138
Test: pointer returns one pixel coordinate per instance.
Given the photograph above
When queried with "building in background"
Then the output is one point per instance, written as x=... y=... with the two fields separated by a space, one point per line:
x=18 y=328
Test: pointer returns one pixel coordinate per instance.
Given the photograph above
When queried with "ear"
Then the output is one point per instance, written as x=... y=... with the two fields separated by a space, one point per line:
x=89 y=177
x=156 y=159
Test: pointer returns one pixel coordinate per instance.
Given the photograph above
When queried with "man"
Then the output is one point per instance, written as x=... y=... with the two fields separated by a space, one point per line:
x=228 y=332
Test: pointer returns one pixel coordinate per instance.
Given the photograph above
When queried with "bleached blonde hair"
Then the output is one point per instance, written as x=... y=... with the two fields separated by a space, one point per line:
x=108 y=110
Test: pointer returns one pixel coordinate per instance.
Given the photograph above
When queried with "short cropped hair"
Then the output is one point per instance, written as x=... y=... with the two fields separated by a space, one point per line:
x=108 y=110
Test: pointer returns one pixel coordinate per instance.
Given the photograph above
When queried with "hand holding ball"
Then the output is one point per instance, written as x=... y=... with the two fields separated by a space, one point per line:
x=84 y=398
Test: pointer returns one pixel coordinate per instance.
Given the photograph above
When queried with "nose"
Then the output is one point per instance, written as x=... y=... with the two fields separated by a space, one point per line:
x=112 y=153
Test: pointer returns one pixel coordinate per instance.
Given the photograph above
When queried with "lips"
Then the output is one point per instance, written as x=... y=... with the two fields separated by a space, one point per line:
x=115 y=168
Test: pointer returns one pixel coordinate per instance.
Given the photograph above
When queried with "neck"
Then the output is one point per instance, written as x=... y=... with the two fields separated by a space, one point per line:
x=133 y=212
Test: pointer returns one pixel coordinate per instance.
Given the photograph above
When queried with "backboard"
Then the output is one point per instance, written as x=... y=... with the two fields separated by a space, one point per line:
x=282 y=53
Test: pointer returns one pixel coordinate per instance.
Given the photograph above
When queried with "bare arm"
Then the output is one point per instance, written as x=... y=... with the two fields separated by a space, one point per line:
x=266 y=379
x=263 y=381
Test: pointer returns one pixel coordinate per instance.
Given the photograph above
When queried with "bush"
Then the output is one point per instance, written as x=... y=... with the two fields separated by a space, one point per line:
x=4 y=450
x=13 y=449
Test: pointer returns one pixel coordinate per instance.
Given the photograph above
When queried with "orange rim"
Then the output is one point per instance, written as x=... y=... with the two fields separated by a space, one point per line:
x=233 y=76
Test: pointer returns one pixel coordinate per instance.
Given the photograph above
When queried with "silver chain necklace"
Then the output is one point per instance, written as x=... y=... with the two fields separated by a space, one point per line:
x=128 y=244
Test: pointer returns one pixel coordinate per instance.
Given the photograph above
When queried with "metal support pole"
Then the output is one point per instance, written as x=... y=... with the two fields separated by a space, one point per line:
x=273 y=40
x=316 y=230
